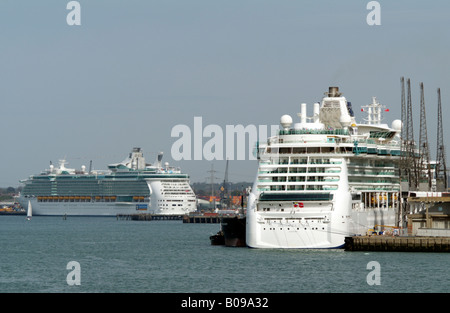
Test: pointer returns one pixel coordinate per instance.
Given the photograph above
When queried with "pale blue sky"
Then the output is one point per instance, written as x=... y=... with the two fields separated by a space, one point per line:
x=135 y=69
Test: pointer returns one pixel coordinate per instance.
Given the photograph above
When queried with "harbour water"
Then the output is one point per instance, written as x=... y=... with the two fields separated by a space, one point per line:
x=174 y=257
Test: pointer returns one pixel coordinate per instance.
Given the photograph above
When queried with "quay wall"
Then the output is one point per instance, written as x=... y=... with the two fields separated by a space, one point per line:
x=399 y=243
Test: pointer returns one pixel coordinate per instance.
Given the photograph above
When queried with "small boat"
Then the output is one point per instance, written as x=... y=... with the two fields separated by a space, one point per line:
x=30 y=211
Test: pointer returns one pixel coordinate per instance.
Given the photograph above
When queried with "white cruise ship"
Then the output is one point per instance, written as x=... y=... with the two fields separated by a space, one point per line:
x=128 y=187
x=325 y=178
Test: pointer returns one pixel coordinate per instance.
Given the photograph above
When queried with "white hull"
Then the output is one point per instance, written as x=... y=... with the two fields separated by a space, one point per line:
x=315 y=223
x=82 y=209
x=316 y=229
x=95 y=208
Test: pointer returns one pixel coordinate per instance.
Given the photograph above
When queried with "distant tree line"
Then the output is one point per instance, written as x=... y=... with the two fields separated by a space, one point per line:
x=204 y=189
x=8 y=193
x=9 y=190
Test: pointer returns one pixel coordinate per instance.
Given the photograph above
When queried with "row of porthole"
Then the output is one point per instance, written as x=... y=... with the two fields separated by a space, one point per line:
x=313 y=228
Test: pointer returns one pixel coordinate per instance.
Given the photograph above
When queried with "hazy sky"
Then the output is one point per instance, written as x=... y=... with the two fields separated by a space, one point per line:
x=134 y=69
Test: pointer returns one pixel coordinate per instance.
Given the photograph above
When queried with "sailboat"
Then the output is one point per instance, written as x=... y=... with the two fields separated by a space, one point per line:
x=30 y=211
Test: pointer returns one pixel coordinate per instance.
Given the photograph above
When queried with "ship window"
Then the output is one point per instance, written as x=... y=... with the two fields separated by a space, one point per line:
x=283 y=161
x=299 y=150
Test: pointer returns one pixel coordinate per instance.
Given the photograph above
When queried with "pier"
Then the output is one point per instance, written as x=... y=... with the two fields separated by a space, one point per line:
x=428 y=227
x=4 y=212
x=205 y=218
x=148 y=217
x=202 y=219
x=397 y=243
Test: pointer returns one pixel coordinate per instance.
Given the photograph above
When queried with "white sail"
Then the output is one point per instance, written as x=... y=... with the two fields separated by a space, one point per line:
x=30 y=211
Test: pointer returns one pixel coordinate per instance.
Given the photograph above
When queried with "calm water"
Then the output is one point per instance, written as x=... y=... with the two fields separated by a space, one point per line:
x=169 y=256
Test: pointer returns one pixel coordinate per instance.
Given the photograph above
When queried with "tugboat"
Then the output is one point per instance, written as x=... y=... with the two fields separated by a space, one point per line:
x=217 y=239
x=234 y=230
x=232 y=221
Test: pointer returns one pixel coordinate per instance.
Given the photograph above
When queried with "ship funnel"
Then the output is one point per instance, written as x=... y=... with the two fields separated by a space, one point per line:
x=316 y=112
x=159 y=159
x=303 y=113
x=334 y=92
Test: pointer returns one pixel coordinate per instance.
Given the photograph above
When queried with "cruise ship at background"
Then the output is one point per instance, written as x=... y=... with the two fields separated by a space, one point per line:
x=325 y=178
x=128 y=187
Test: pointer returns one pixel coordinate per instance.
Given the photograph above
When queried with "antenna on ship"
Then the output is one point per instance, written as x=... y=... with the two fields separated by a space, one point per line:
x=374 y=112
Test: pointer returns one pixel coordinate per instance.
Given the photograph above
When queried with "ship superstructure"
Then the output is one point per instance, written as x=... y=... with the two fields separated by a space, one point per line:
x=325 y=178
x=131 y=186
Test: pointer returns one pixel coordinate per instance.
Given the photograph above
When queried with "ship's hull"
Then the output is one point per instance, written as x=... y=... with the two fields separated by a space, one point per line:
x=95 y=208
x=305 y=231
x=295 y=231
x=312 y=220
x=153 y=201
